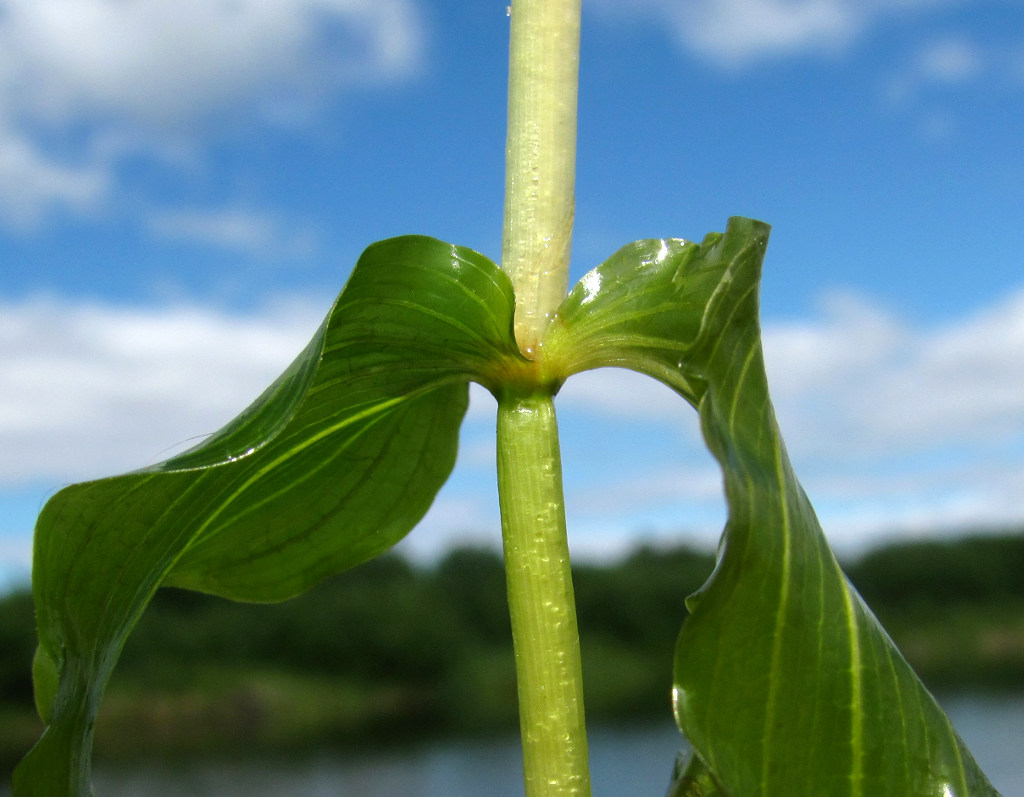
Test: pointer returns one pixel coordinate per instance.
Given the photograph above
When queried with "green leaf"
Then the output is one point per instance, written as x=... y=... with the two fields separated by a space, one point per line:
x=785 y=683
x=331 y=466
x=691 y=778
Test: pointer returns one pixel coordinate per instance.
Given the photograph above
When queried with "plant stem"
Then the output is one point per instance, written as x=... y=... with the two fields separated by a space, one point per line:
x=540 y=597
x=540 y=172
x=540 y=165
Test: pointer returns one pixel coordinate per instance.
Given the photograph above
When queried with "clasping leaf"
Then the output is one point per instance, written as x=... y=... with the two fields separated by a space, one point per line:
x=331 y=466
x=785 y=683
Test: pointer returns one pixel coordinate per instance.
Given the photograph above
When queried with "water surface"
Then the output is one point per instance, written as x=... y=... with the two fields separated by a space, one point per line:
x=625 y=761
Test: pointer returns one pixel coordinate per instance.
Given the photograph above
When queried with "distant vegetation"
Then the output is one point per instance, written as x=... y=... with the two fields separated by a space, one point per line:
x=389 y=652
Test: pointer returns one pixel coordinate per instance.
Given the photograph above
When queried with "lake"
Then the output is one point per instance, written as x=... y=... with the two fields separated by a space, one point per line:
x=625 y=761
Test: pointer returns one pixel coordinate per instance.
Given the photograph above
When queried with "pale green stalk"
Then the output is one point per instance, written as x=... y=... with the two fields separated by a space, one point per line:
x=539 y=206
x=540 y=165
x=540 y=596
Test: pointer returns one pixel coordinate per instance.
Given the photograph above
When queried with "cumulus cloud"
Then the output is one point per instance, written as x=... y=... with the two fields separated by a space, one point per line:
x=166 y=62
x=736 y=33
x=31 y=182
x=949 y=60
x=856 y=379
x=943 y=62
x=240 y=229
x=861 y=377
x=891 y=426
x=90 y=390
x=77 y=74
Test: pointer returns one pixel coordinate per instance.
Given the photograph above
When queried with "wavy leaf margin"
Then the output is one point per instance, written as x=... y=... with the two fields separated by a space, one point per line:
x=332 y=465
x=785 y=683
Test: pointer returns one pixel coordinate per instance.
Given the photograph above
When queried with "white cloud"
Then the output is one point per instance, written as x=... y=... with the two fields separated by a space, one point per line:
x=90 y=390
x=165 y=61
x=697 y=484
x=892 y=427
x=856 y=379
x=30 y=182
x=456 y=518
x=737 y=33
x=861 y=378
x=77 y=74
x=942 y=62
x=239 y=229
x=897 y=429
x=949 y=60
x=930 y=82
x=618 y=393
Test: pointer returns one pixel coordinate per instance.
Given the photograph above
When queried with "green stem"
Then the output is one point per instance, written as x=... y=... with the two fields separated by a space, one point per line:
x=539 y=207
x=540 y=597
x=540 y=166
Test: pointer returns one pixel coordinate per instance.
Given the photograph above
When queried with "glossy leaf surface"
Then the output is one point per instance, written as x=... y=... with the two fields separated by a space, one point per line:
x=785 y=684
x=692 y=779
x=331 y=466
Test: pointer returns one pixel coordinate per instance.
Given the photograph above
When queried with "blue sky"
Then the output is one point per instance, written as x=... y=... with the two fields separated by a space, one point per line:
x=184 y=186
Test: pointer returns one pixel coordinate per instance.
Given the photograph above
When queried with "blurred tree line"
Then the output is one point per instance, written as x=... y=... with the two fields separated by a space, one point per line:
x=392 y=651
